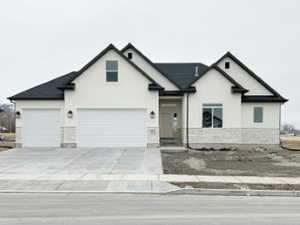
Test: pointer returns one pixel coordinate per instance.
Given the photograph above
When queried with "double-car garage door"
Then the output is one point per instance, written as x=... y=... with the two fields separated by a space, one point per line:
x=95 y=128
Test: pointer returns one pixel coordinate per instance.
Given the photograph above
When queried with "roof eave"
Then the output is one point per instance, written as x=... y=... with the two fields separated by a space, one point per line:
x=263 y=98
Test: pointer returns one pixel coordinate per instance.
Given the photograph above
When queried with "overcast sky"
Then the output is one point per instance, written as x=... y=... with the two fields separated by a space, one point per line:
x=41 y=40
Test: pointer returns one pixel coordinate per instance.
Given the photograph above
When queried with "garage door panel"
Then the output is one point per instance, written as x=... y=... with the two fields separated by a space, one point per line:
x=41 y=128
x=114 y=128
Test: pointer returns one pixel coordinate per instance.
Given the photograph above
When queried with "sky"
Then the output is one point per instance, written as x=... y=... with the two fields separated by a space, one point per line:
x=41 y=40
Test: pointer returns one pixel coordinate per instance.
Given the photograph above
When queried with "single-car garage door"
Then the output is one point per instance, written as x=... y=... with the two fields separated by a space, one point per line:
x=112 y=128
x=41 y=128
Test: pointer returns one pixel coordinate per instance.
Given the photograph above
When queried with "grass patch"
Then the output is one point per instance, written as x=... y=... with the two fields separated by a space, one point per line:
x=8 y=136
x=292 y=142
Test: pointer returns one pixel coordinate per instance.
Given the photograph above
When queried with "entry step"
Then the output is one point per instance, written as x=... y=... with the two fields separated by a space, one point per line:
x=173 y=149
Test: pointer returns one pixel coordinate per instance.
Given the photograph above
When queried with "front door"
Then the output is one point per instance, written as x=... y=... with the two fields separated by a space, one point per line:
x=170 y=119
x=166 y=125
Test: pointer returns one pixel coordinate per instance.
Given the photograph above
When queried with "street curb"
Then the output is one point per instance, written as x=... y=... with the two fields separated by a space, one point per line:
x=234 y=192
x=76 y=192
x=182 y=191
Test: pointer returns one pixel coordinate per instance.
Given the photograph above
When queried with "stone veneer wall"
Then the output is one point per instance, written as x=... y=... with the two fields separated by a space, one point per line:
x=153 y=137
x=68 y=137
x=19 y=137
x=218 y=137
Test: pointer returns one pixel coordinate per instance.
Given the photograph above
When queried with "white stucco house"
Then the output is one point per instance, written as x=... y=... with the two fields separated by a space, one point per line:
x=122 y=99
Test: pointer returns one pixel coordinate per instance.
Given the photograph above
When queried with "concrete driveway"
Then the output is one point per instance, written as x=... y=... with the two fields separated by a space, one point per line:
x=81 y=160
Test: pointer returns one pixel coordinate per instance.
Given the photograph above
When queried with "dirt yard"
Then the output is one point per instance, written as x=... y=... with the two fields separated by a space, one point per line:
x=8 y=142
x=291 y=141
x=256 y=162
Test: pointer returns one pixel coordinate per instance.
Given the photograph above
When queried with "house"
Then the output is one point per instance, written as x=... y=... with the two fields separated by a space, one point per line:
x=121 y=99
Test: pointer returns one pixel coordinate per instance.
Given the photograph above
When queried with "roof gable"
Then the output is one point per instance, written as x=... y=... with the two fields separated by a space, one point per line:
x=251 y=73
x=236 y=88
x=54 y=89
x=129 y=46
x=108 y=48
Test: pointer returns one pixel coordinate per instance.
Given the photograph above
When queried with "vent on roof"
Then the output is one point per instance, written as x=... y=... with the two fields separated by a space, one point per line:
x=196 y=71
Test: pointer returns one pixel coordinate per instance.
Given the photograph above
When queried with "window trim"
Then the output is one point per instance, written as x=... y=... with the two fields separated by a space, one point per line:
x=112 y=70
x=212 y=107
x=262 y=114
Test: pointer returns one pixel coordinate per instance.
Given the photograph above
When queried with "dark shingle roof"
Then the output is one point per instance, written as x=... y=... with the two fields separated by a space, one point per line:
x=182 y=74
x=49 y=90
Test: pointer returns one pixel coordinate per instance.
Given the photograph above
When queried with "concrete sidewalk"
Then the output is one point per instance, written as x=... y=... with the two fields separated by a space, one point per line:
x=148 y=177
x=143 y=183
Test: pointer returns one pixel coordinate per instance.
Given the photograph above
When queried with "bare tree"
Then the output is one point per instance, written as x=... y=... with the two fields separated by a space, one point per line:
x=7 y=119
x=289 y=128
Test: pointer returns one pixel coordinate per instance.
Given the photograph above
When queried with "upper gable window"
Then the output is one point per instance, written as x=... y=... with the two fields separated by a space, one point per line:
x=129 y=55
x=112 y=71
x=227 y=65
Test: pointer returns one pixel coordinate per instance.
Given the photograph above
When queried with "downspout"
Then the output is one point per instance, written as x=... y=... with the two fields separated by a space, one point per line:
x=187 y=122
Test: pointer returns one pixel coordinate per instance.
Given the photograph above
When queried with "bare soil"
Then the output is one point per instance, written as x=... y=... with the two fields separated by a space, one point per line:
x=215 y=185
x=255 y=162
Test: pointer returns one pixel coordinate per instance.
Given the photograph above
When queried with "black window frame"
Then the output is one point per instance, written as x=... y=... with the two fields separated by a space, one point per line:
x=129 y=55
x=112 y=73
x=210 y=121
x=227 y=65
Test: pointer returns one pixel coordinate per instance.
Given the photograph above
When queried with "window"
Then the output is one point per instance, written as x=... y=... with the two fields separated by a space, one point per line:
x=111 y=71
x=212 y=116
x=227 y=65
x=258 y=114
x=129 y=55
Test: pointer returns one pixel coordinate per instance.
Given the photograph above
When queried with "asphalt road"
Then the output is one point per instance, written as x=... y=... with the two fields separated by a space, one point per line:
x=69 y=209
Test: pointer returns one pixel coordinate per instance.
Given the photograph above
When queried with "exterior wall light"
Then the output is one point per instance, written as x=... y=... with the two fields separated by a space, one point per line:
x=70 y=114
x=152 y=115
x=18 y=115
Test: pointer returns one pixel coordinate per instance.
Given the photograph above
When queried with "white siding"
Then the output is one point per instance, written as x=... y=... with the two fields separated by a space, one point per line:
x=242 y=77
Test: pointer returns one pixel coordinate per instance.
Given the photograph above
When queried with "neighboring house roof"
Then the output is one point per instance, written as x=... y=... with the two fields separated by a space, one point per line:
x=251 y=73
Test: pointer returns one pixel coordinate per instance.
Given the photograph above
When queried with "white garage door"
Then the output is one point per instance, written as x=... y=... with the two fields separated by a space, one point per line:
x=41 y=128
x=111 y=128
